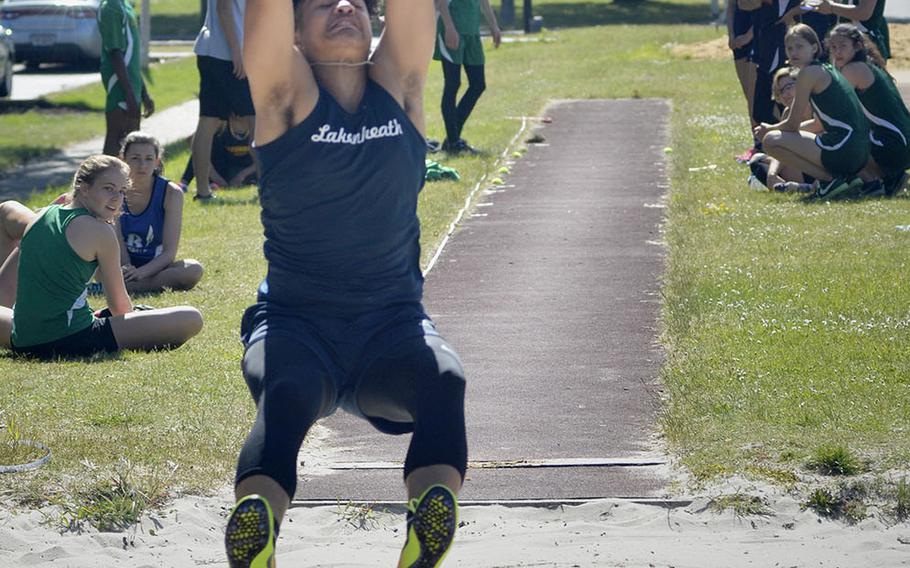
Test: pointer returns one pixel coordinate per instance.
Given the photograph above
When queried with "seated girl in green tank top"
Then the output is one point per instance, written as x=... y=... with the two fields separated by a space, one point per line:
x=834 y=146
x=857 y=58
x=59 y=249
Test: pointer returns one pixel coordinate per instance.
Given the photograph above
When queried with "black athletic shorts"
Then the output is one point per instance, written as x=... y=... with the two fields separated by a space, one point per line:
x=346 y=350
x=96 y=338
x=742 y=21
x=220 y=92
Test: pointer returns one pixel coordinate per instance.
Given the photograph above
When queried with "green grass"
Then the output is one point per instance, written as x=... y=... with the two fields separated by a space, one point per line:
x=39 y=132
x=784 y=323
x=175 y=18
x=741 y=505
x=834 y=459
x=182 y=18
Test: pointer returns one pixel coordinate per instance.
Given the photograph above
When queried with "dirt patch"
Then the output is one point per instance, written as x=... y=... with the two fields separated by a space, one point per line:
x=717 y=48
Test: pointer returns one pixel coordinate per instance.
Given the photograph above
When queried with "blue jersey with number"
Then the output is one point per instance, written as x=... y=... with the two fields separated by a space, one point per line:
x=339 y=208
x=142 y=231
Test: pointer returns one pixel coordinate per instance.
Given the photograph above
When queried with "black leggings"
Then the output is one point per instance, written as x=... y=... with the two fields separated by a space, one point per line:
x=418 y=386
x=454 y=115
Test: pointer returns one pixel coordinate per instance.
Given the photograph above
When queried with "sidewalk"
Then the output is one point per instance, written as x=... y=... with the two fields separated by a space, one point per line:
x=169 y=125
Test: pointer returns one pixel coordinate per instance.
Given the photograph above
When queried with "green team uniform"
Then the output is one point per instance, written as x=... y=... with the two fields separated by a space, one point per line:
x=466 y=17
x=877 y=27
x=890 y=123
x=119 y=30
x=845 y=141
x=51 y=295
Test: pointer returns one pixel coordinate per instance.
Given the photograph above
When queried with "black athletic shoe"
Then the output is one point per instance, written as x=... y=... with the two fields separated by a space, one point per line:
x=874 y=188
x=834 y=189
x=249 y=538
x=433 y=146
x=459 y=147
x=894 y=184
x=432 y=520
x=210 y=198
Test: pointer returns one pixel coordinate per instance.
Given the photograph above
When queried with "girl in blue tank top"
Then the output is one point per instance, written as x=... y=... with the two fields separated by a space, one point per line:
x=151 y=223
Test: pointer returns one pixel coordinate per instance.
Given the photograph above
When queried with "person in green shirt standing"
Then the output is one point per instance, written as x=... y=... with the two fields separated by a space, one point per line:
x=869 y=15
x=458 y=44
x=121 y=73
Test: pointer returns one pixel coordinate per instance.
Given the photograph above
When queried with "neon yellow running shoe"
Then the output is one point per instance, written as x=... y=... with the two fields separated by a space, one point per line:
x=432 y=520
x=249 y=538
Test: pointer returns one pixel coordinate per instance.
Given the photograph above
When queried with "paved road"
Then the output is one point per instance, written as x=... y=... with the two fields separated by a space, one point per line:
x=550 y=293
x=31 y=84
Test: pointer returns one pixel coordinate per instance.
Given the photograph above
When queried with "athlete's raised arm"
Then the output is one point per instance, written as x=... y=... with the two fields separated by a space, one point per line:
x=402 y=58
x=280 y=78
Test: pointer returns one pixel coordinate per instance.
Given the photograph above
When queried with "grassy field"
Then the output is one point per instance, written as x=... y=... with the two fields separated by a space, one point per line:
x=784 y=322
x=181 y=18
x=78 y=114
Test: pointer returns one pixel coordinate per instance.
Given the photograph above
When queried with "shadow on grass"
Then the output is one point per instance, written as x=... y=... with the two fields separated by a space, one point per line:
x=20 y=106
x=580 y=14
x=175 y=26
x=96 y=358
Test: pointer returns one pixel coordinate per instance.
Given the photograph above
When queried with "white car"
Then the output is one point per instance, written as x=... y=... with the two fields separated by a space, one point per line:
x=54 y=30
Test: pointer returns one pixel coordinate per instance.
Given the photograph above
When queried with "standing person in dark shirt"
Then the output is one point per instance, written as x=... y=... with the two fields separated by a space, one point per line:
x=739 y=40
x=770 y=25
x=339 y=321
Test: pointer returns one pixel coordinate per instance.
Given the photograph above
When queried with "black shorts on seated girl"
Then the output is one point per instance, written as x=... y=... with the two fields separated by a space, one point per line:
x=96 y=338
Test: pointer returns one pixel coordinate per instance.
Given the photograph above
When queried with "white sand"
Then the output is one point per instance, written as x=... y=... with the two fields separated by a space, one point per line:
x=600 y=533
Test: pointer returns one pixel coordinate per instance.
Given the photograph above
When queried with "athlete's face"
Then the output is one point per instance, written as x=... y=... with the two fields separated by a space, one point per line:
x=142 y=160
x=786 y=86
x=333 y=30
x=842 y=50
x=104 y=197
x=800 y=52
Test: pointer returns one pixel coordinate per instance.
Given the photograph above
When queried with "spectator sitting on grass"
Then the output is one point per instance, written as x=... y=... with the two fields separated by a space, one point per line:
x=770 y=173
x=59 y=250
x=856 y=56
x=151 y=223
x=835 y=147
x=232 y=156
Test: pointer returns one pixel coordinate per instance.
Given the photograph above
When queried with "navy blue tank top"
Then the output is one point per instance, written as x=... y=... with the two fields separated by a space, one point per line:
x=142 y=232
x=339 y=208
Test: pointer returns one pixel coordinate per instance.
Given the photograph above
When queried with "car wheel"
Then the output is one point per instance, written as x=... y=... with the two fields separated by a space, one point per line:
x=6 y=86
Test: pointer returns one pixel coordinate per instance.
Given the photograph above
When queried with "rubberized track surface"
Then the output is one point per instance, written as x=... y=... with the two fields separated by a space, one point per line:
x=549 y=291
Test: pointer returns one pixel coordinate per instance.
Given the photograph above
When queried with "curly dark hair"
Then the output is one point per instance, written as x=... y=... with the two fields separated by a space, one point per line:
x=866 y=50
